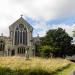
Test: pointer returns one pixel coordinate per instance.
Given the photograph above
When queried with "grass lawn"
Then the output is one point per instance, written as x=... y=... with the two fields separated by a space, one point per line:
x=67 y=71
x=34 y=66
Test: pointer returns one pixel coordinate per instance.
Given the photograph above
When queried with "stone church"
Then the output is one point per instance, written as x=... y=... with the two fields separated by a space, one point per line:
x=20 y=40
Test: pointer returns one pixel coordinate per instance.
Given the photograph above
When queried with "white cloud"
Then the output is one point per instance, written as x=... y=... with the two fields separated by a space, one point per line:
x=44 y=27
x=47 y=9
x=10 y=10
x=68 y=28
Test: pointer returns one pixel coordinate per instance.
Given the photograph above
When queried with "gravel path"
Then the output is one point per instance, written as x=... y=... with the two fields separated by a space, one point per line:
x=73 y=73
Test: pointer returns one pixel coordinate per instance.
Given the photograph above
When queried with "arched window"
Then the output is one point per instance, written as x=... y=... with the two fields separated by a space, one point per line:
x=15 y=37
x=21 y=35
x=25 y=37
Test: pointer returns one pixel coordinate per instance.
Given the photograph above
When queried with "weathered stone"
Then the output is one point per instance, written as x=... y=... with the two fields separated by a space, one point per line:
x=17 y=43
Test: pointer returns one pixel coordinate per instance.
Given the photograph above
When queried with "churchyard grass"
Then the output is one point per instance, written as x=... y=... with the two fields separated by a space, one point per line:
x=67 y=71
x=32 y=66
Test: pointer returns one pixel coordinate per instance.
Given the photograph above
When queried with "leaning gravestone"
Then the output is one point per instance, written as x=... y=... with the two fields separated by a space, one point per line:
x=27 y=55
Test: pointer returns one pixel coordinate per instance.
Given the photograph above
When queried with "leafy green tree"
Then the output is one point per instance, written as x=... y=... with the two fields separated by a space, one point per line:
x=58 y=38
x=46 y=50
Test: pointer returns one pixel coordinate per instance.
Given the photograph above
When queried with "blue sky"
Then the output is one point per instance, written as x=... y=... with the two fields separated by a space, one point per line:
x=41 y=14
x=59 y=22
x=67 y=20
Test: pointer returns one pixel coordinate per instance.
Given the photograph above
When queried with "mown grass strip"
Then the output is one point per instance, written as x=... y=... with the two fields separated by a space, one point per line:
x=65 y=70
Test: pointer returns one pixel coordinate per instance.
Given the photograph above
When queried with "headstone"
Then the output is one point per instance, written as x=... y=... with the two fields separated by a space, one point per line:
x=27 y=54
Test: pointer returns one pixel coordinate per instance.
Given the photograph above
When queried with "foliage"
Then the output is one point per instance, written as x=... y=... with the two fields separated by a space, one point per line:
x=71 y=50
x=47 y=51
x=57 y=38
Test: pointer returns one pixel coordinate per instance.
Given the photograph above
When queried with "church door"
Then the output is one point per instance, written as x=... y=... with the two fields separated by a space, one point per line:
x=13 y=53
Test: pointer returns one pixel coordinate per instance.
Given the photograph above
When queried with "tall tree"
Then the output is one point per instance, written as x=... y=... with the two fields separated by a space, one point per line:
x=58 y=38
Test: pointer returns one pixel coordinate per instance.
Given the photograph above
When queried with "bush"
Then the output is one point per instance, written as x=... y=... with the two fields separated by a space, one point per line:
x=48 y=51
x=45 y=51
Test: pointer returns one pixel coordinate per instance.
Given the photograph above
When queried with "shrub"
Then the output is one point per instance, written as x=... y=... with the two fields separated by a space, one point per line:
x=48 y=51
x=45 y=51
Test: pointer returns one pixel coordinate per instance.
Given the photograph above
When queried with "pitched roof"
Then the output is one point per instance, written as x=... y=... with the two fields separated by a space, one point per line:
x=23 y=21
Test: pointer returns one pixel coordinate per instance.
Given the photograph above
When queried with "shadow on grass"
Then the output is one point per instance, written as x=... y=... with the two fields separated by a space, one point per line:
x=60 y=70
x=7 y=71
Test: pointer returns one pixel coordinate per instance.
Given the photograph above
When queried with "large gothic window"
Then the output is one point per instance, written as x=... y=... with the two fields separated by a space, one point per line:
x=20 y=35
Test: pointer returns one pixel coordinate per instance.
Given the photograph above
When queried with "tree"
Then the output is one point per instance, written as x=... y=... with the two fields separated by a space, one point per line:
x=58 y=38
x=47 y=51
